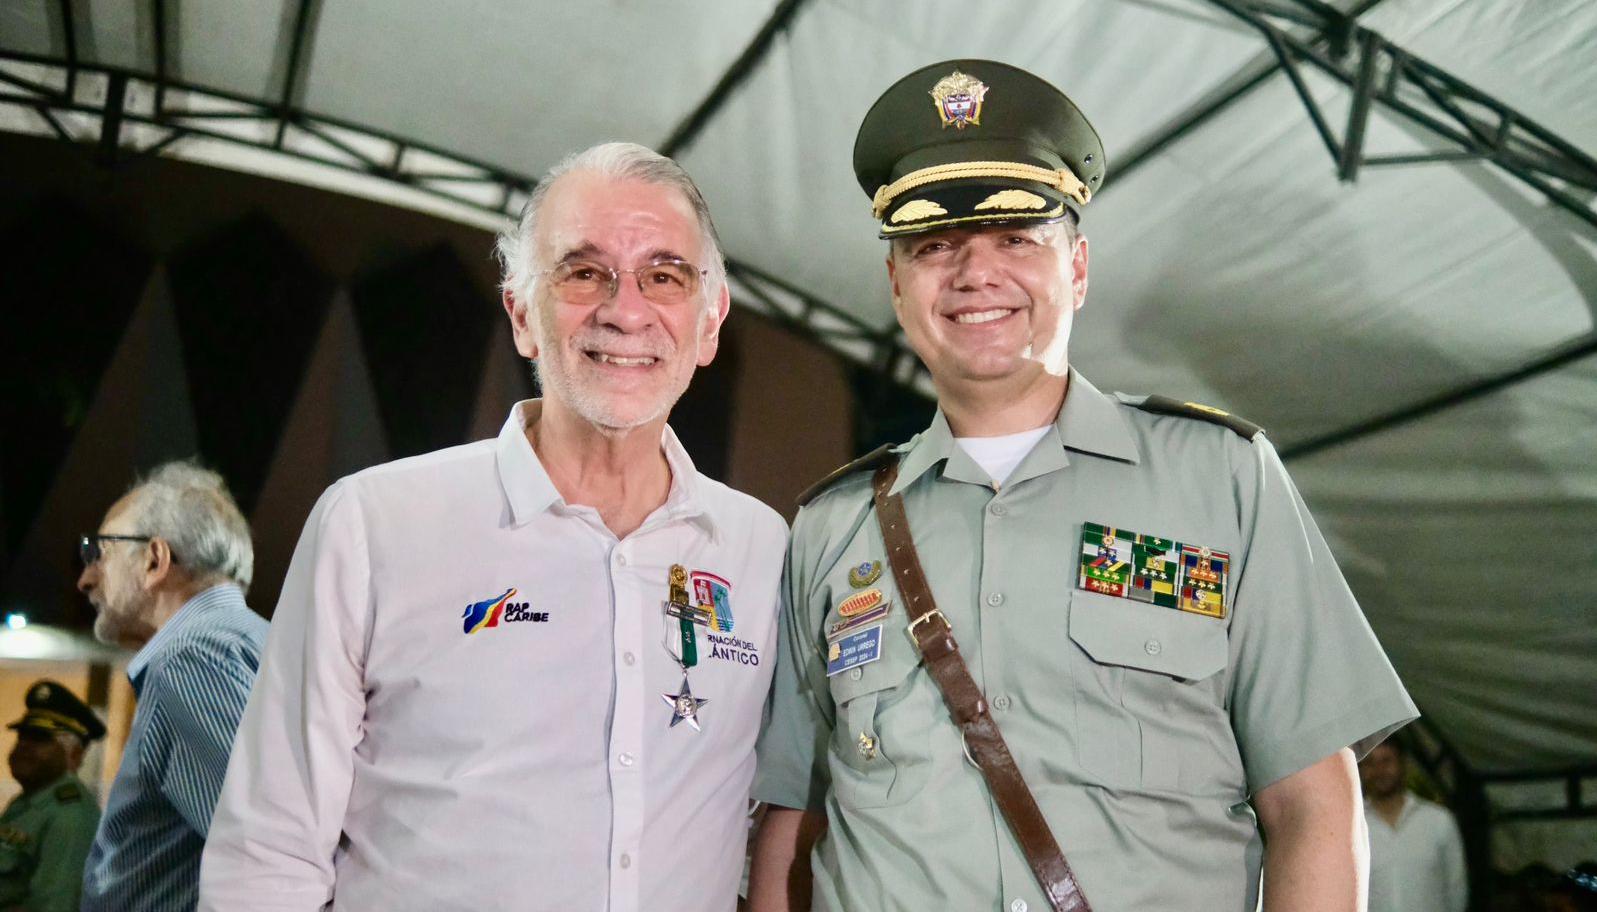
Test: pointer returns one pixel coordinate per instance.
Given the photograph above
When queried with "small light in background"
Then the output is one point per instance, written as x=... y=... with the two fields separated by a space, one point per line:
x=16 y=620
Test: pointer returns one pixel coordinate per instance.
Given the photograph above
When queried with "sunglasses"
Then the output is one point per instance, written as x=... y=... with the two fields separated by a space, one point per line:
x=89 y=545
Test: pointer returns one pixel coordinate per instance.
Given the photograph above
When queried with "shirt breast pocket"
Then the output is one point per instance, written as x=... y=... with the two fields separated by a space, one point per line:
x=1147 y=696
x=880 y=743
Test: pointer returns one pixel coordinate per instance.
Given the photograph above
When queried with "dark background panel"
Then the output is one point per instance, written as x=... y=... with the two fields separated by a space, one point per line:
x=68 y=285
x=249 y=306
x=424 y=326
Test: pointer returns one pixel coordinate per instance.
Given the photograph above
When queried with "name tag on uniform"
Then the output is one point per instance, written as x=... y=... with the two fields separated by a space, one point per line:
x=854 y=650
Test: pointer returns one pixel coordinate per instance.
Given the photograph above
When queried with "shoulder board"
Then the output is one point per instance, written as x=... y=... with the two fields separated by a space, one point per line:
x=68 y=793
x=869 y=461
x=1164 y=405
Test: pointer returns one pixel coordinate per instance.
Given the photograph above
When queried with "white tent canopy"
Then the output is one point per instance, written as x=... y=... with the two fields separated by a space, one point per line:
x=1230 y=267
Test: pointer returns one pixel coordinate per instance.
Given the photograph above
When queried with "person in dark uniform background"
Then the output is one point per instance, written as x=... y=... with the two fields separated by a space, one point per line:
x=46 y=831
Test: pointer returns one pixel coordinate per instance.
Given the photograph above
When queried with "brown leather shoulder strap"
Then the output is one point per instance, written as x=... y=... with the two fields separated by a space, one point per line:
x=934 y=636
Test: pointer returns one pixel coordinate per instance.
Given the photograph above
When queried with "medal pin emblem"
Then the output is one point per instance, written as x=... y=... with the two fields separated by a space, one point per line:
x=867 y=746
x=859 y=603
x=684 y=706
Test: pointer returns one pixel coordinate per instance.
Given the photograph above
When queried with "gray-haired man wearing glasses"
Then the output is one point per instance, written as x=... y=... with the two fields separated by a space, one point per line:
x=527 y=673
x=166 y=572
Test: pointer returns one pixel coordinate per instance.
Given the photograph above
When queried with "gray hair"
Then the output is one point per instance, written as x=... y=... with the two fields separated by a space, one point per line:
x=615 y=160
x=189 y=508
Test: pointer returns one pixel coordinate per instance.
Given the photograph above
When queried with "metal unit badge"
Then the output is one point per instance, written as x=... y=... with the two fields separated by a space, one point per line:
x=1158 y=571
x=859 y=603
x=959 y=100
x=865 y=574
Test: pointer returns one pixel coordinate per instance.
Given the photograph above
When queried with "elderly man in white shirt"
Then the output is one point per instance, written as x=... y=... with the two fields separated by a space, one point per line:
x=1416 y=853
x=527 y=673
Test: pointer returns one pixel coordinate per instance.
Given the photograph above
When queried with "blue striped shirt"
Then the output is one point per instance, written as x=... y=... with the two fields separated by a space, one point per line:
x=192 y=679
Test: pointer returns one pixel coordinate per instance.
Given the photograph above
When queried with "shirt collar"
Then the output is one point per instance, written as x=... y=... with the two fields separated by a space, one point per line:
x=1092 y=422
x=1089 y=422
x=220 y=597
x=530 y=492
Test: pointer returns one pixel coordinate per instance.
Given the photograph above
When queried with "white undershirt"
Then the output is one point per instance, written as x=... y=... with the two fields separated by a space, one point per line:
x=998 y=456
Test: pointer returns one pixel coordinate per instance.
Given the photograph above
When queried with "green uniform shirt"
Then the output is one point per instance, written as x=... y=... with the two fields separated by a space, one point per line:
x=44 y=840
x=1141 y=729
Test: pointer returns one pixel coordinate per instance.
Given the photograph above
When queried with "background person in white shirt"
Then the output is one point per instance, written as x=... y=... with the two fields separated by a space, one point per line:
x=527 y=673
x=1416 y=854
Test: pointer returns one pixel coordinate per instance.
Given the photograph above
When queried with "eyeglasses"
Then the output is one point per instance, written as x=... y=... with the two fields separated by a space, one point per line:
x=89 y=545
x=585 y=282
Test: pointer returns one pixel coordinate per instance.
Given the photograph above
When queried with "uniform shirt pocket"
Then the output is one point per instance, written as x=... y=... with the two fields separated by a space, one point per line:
x=879 y=751
x=1139 y=665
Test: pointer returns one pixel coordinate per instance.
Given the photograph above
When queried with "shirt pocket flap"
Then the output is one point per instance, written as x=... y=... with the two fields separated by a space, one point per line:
x=884 y=674
x=1118 y=631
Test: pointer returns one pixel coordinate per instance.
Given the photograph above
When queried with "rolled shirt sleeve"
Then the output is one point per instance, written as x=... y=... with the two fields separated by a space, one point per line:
x=1308 y=675
x=280 y=815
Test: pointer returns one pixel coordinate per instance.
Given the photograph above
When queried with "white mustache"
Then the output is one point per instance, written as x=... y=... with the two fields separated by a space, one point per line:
x=624 y=345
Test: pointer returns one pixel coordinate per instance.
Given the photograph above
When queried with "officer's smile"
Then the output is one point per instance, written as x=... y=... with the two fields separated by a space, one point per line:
x=972 y=316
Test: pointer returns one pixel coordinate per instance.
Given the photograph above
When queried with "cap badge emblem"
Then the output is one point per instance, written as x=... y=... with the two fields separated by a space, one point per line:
x=1012 y=199
x=959 y=99
x=917 y=209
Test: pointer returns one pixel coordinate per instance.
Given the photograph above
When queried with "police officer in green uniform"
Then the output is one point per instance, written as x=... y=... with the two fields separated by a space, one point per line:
x=1156 y=626
x=46 y=831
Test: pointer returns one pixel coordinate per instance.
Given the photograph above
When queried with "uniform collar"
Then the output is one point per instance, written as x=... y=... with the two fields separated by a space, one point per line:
x=220 y=596
x=25 y=799
x=530 y=492
x=1088 y=422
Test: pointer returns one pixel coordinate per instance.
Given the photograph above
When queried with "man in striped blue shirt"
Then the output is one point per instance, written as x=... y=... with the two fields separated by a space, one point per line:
x=166 y=573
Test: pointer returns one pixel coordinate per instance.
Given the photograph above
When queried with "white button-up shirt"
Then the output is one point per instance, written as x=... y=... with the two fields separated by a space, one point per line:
x=460 y=705
x=1417 y=865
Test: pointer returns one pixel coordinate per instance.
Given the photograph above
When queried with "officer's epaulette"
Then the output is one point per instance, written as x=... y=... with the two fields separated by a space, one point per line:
x=68 y=793
x=869 y=461
x=1164 y=405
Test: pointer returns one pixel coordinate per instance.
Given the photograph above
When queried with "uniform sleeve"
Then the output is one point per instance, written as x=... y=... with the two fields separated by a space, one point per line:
x=1308 y=676
x=196 y=699
x=57 y=882
x=282 y=806
x=1455 y=876
x=792 y=771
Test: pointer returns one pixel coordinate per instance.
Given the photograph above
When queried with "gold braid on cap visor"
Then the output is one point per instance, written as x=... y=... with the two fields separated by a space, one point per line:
x=1062 y=180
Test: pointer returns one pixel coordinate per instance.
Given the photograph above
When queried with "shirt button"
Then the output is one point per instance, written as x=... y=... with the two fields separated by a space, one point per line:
x=998 y=509
x=995 y=599
x=626 y=861
x=621 y=560
x=629 y=658
x=1152 y=647
x=856 y=673
x=625 y=759
x=1018 y=905
x=1001 y=703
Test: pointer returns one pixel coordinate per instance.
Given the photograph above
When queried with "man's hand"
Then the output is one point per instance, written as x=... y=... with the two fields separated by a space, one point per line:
x=780 y=877
x=1316 y=853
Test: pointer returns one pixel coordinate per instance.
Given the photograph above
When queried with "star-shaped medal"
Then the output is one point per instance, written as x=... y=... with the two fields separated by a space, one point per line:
x=684 y=706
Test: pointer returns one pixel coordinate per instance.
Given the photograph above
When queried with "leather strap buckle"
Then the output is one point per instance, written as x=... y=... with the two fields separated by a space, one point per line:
x=947 y=627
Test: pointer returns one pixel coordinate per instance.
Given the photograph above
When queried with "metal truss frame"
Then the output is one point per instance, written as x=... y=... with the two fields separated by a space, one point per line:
x=129 y=115
x=1475 y=125
x=125 y=116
